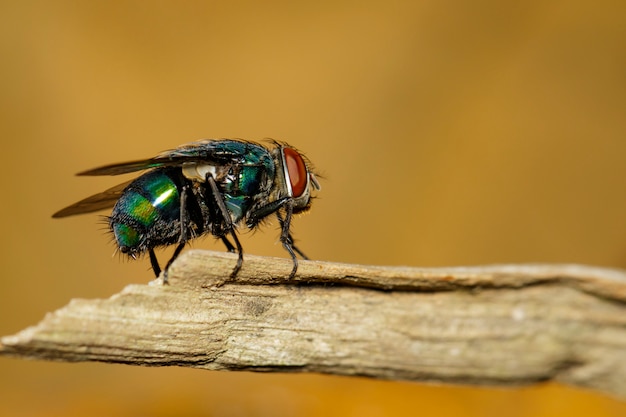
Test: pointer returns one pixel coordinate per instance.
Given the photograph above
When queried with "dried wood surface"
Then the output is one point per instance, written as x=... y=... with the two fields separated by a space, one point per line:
x=488 y=325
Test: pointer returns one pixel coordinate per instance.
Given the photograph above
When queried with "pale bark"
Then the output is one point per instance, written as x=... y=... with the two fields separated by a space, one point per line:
x=489 y=325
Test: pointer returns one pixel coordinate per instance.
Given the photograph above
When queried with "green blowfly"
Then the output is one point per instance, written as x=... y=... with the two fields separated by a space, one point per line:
x=210 y=186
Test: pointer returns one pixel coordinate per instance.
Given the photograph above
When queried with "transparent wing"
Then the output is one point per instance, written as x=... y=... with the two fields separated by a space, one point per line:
x=207 y=151
x=133 y=166
x=101 y=201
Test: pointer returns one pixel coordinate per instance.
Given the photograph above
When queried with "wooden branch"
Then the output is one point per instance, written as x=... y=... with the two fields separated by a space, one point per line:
x=498 y=325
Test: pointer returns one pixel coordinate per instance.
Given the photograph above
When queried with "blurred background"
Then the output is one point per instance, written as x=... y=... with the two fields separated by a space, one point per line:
x=448 y=133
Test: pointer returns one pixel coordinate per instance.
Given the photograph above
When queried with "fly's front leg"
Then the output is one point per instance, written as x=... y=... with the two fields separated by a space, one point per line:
x=285 y=237
x=290 y=237
x=217 y=196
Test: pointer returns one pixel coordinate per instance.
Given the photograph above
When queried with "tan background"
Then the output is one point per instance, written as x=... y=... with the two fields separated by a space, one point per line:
x=449 y=133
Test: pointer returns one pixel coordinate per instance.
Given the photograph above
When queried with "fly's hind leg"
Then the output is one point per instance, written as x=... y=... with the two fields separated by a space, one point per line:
x=183 y=238
x=154 y=262
x=229 y=246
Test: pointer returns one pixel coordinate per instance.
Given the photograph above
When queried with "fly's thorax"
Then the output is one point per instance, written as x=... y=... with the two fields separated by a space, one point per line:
x=148 y=212
x=241 y=184
x=294 y=179
x=198 y=173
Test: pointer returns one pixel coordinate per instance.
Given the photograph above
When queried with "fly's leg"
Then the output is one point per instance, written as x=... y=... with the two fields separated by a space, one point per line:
x=285 y=236
x=154 y=262
x=182 y=240
x=290 y=237
x=229 y=224
x=229 y=246
x=260 y=213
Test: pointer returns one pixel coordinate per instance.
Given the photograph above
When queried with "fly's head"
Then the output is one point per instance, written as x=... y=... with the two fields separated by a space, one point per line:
x=294 y=177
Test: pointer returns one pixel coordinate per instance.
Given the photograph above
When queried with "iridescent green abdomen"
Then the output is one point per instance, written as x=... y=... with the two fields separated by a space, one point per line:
x=148 y=212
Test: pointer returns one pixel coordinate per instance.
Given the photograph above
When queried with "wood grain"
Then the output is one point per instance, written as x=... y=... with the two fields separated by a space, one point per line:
x=498 y=325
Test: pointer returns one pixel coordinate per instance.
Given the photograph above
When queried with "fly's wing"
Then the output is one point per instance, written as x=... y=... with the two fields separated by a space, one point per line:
x=206 y=151
x=101 y=201
x=209 y=151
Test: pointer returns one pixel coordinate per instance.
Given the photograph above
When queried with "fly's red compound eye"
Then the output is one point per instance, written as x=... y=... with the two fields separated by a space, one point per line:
x=296 y=170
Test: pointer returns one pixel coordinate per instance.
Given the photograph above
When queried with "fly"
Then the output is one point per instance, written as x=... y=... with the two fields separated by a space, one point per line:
x=211 y=187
